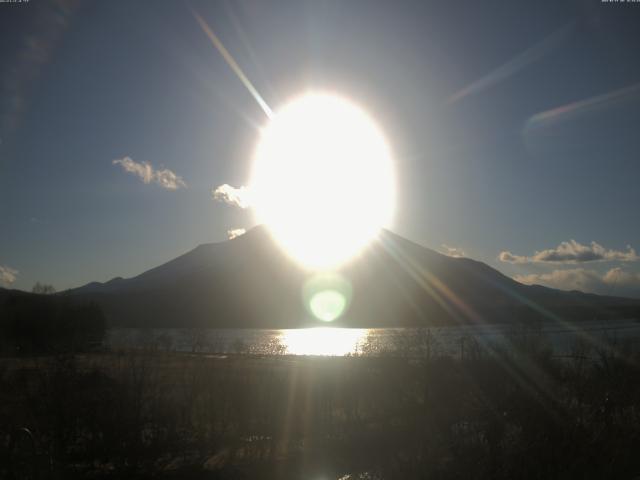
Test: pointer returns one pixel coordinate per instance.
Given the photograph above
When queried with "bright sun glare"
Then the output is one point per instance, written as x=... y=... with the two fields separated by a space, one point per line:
x=323 y=341
x=322 y=180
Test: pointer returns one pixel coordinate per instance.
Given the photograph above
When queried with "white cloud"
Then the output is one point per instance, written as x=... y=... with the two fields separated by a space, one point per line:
x=571 y=279
x=7 y=275
x=165 y=177
x=573 y=252
x=238 y=197
x=452 y=251
x=614 y=282
x=509 y=257
x=235 y=233
x=169 y=180
x=617 y=276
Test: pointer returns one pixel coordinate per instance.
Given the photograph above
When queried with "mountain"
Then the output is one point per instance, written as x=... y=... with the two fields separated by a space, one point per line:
x=250 y=282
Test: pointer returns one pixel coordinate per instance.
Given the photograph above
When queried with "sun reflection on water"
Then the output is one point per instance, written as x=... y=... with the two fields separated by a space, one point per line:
x=323 y=341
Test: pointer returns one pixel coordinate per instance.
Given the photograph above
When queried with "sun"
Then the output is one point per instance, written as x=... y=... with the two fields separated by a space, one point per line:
x=322 y=179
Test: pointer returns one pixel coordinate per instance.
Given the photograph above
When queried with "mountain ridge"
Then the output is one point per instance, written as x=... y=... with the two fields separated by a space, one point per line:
x=249 y=282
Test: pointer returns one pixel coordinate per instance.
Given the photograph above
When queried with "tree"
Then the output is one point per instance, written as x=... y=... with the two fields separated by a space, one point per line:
x=50 y=323
x=43 y=289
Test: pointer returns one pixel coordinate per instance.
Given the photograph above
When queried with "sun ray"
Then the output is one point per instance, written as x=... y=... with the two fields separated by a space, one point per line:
x=517 y=63
x=580 y=107
x=232 y=63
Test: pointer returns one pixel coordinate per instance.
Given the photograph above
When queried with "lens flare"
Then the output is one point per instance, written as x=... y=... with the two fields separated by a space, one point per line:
x=327 y=296
x=327 y=305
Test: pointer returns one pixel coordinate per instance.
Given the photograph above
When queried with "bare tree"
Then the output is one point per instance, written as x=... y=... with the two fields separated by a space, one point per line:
x=43 y=289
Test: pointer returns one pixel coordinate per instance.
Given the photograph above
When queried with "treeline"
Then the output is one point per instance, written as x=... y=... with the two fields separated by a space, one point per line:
x=40 y=323
x=514 y=414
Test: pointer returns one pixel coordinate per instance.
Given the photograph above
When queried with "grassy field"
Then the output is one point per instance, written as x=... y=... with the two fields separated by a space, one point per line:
x=516 y=414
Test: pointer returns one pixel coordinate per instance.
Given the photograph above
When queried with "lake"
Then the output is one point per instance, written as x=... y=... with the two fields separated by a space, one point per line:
x=562 y=340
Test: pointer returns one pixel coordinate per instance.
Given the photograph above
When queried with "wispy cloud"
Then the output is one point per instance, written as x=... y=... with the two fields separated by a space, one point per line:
x=615 y=281
x=235 y=233
x=452 y=251
x=573 y=252
x=145 y=171
x=7 y=275
x=238 y=197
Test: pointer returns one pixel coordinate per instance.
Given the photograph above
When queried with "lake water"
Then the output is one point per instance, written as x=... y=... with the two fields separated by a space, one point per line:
x=451 y=340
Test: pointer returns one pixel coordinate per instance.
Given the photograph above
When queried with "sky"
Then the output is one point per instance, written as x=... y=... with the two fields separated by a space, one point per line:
x=513 y=126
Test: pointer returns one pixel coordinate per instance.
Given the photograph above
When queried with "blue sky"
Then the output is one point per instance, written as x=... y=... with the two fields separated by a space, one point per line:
x=513 y=126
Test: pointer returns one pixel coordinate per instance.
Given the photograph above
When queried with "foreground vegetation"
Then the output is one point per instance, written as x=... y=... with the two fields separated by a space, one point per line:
x=517 y=413
x=41 y=323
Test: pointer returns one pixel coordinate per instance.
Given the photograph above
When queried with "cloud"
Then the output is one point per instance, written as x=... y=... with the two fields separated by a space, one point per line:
x=509 y=257
x=7 y=275
x=573 y=252
x=618 y=277
x=452 y=251
x=169 y=180
x=165 y=177
x=238 y=197
x=614 y=282
x=572 y=279
x=235 y=233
